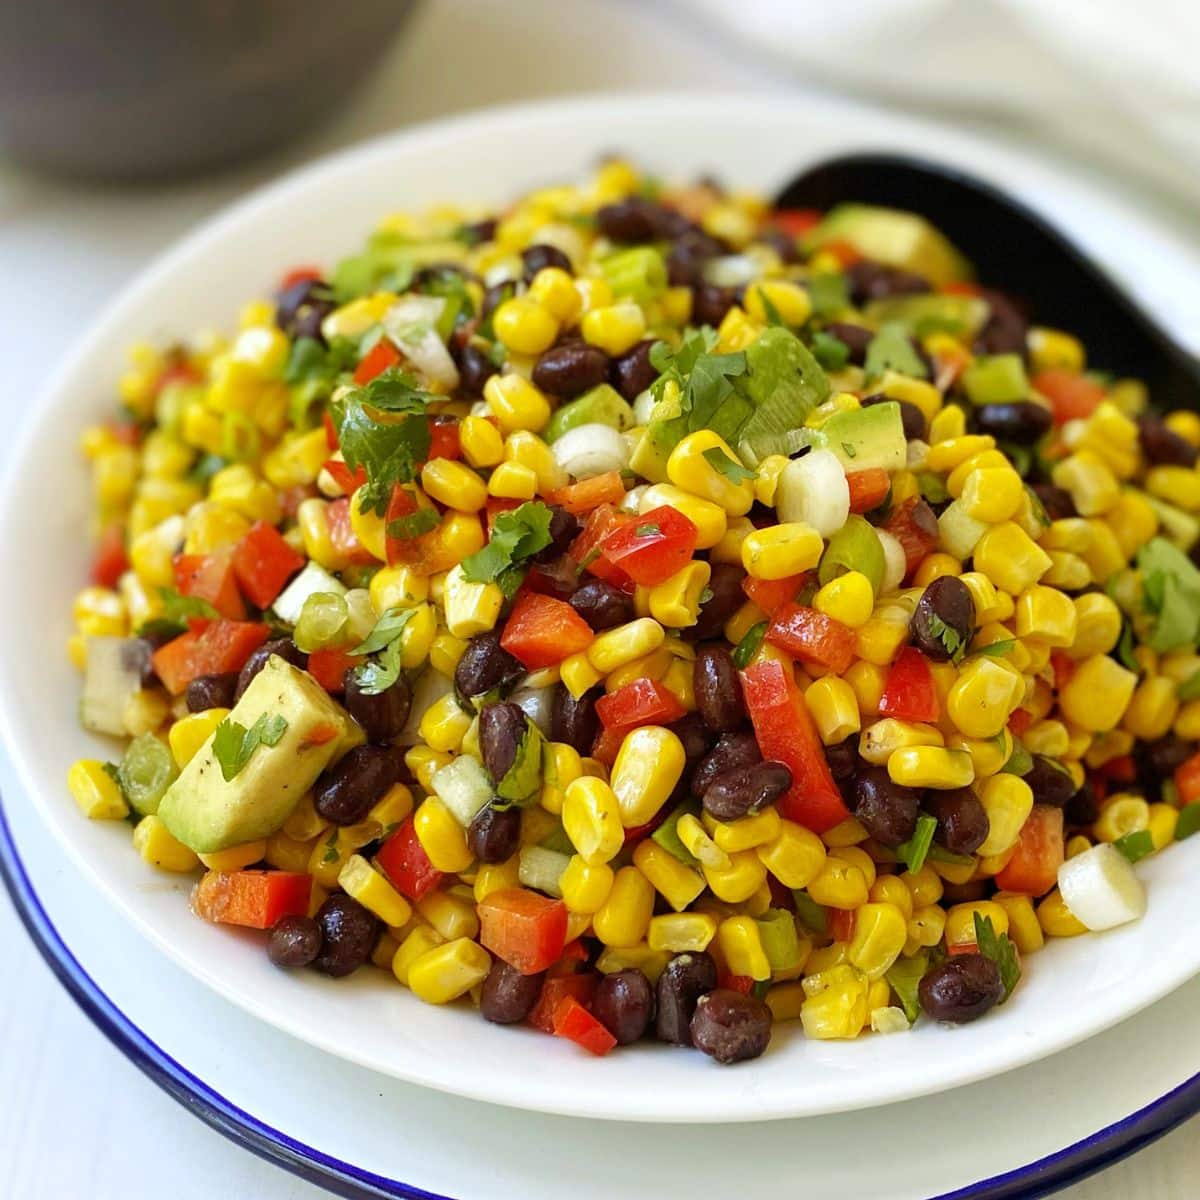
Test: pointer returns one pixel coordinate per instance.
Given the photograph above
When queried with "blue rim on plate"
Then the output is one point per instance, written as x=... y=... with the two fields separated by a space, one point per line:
x=1039 y=1178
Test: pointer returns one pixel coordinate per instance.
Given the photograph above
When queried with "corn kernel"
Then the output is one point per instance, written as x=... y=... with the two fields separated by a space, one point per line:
x=681 y=933
x=849 y=598
x=880 y=931
x=615 y=328
x=744 y=876
x=740 y=945
x=778 y=551
x=95 y=791
x=187 y=735
x=678 y=883
x=442 y=837
x=623 y=919
x=157 y=846
x=1056 y=919
x=448 y=971
x=1097 y=694
x=834 y=708
x=1008 y=801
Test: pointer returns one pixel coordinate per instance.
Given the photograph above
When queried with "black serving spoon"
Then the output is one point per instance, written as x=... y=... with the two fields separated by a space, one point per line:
x=1020 y=253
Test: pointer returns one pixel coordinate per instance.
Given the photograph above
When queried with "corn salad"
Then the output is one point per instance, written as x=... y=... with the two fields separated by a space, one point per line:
x=643 y=612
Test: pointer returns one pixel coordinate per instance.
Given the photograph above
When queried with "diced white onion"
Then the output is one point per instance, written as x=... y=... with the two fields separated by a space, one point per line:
x=633 y=498
x=289 y=603
x=463 y=787
x=591 y=449
x=813 y=489
x=916 y=453
x=731 y=270
x=643 y=406
x=112 y=678
x=411 y=324
x=895 y=561
x=1099 y=886
x=429 y=688
x=536 y=704
x=958 y=531
x=541 y=869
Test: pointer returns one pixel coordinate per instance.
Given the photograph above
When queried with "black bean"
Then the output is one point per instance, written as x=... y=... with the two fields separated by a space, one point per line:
x=346 y=791
x=601 y=605
x=211 y=691
x=1163 y=755
x=960 y=989
x=541 y=255
x=1006 y=329
x=437 y=275
x=564 y=529
x=1049 y=782
x=887 y=810
x=733 y=751
x=308 y=322
x=730 y=1026
x=624 y=1004
x=746 y=790
x=474 y=370
x=718 y=688
x=856 y=339
x=687 y=256
x=301 y=308
x=501 y=728
x=480 y=231
x=843 y=758
x=348 y=933
x=727 y=597
x=294 y=942
x=710 y=304
x=869 y=280
x=570 y=368
x=944 y=613
x=485 y=666
x=381 y=715
x=1055 y=500
x=695 y=735
x=684 y=980
x=634 y=219
x=632 y=373
x=508 y=996
x=494 y=835
x=137 y=656
x=1022 y=421
x=1163 y=446
x=1083 y=807
x=284 y=647
x=782 y=243
x=912 y=419
x=962 y=821
x=574 y=721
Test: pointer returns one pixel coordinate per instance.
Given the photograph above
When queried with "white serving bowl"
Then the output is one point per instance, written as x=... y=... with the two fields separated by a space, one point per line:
x=1073 y=989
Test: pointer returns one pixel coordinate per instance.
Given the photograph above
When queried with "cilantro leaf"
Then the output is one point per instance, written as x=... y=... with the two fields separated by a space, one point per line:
x=831 y=352
x=331 y=847
x=904 y=977
x=414 y=524
x=388 y=450
x=996 y=649
x=773 y=315
x=704 y=380
x=649 y=529
x=828 y=294
x=379 y=674
x=949 y=637
x=387 y=629
x=177 y=610
x=724 y=465
x=913 y=852
x=517 y=535
x=1171 y=595
x=1000 y=949
x=1189 y=821
x=233 y=743
x=891 y=350
x=1136 y=845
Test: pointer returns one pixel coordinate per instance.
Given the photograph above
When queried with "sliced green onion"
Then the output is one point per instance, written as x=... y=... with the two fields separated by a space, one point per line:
x=324 y=622
x=747 y=648
x=1136 y=845
x=146 y=771
x=777 y=932
x=1189 y=821
x=639 y=273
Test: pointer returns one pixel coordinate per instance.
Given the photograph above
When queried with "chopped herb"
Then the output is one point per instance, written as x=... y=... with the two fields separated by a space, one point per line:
x=706 y=594
x=177 y=611
x=850 y=449
x=377 y=675
x=1136 y=845
x=331 y=848
x=414 y=524
x=913 y=852
x=1189 y=821
x=892 y=350
x=517 y=535
x=1020 y=761
x=747 y=648
x=649 y=529
x=113 y=771
x=1125 y=649
x=724 y=465
x=828 y=294
x=760 y=988
x=704 y=380
x=831 y=352
x=205 y=468
x=387 y=629
x=773 y=316
x=389 y=450
x=1171 y=595
x=950 y=638
x=1000 y=949
x=233 y=743
x=811 y=914
x=904 y=977
x=996 y=649
x=939 y=854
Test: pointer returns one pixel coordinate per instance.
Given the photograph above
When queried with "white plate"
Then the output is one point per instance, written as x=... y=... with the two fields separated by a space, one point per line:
x=1074 y=989
x=1022 y=1135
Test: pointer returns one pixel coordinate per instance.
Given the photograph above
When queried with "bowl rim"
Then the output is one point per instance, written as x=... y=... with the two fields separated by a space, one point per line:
x=523 y=1093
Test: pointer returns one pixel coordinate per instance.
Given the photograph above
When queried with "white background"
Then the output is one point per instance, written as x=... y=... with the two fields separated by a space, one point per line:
x=76 y=1119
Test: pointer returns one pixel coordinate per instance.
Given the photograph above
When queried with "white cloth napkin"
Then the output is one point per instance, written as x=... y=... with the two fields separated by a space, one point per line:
x=1117 y=81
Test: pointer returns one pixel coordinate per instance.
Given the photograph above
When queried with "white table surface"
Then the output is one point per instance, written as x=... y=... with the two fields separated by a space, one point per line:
x=78 y=1120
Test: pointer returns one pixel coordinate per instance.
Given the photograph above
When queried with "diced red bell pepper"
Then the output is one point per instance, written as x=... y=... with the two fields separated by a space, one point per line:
x=772 y=594
x=110 y=561
x=1033 y=868
x=217 y=649
x=211 y=577
x=572 y=1020
x=639 y=702
x=263 y=562
x=843 y=251
x=443 y=438
x=291 y=498
x=815 y=639
x=653 y=547
x=298 y=275
x=785 y=732
x=915 y=527
x=796 y=222
x=328 y=667
x=1020 y=721
x=841 y=923
x=607 y=746
x=341 y=534
x=525 y=929
x=868 y=489
x=541 y=631
x=1121 y=769
x=573 y=953
x=585 y=548
x=736 y=983
x=348 y=481
x=255 y=899
x=554 y=990
x=909 y=693
x=587 y=494
x=962 y=948
x=128 y=433
x=1063 y=666
x=639 y=833
x=960 y=287
x=378 y=359
x=331 y=437
x=403 y=860
x=1071 y=394
x=1187 y=780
